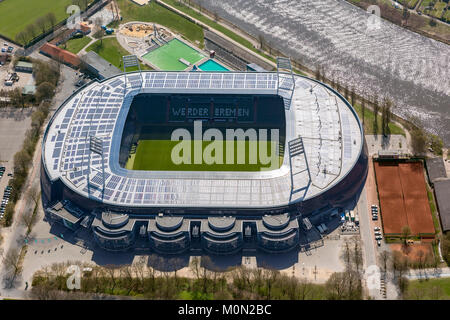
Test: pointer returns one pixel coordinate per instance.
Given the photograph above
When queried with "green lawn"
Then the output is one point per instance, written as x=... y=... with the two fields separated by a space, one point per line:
x=154 y=12
x=431 y=289
x=369 y=118
x=154 y=155
x=111 y=51
x=15 y=15
x=74 y=45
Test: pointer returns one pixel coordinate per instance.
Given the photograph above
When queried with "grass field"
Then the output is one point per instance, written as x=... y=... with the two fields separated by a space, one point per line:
x=155 y=155
x=112 y=51
x=431 y=289
x=15 y=15
x=76 y=44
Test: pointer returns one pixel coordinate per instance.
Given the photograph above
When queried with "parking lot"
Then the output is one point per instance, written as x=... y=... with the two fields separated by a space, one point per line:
x=13 y=125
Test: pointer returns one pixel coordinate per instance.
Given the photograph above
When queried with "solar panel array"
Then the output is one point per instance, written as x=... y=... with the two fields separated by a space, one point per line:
x=95 y=111
x=318 y=123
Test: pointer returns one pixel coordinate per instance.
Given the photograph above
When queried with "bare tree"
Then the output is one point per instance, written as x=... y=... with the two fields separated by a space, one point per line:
x=363 y=110
x=51 y=18
x=41 y=23
x=357 y=256
x=262 y=41
x=12 y=265
x=304 y=289
x=31 y=30
x=34 y=195
x=406 y=233
x=346 y=254
x=385 y=257
x=28 y=219
x=22 y=37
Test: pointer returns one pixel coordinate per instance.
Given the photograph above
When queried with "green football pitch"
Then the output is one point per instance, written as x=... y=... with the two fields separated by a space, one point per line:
x=156 y=155
x=15 y=15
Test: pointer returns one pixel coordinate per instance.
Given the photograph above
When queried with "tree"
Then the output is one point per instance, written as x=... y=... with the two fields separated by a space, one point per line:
x=22 y=37
x=318 y=74
x=41 y=23
x=406 y=233
x=376 y=108
x=400 y=267
x=406 y=15
x=418 y=140
x=44 y=91
x=12 y=265
x=100 y=32
x=357 y=256
x=346 y=92
x=385 y=257
x=262 y=41
x=31 y=30
x=51 y=18
x=28 y=219
x=352 y=96
x=344 y=286
x=17 y=98
x=363 y=110
x=347 y=255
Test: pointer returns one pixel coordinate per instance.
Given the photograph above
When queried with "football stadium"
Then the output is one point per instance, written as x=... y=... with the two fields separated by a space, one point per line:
x=213 y=161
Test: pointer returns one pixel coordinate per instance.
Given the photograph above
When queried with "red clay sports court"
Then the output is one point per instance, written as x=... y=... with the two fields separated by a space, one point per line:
x=403 y=198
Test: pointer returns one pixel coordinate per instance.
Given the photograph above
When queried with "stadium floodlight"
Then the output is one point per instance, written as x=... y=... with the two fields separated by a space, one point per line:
x=131 y=61
x=297 y=150
x=286 y=81
x=96 y=146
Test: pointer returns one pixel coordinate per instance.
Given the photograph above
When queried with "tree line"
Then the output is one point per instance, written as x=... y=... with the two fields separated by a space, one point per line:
x=159 y=278
x=383 y=110
x=46 y=75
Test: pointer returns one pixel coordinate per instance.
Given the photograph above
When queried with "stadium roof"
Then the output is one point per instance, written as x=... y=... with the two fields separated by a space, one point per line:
x=330 y=129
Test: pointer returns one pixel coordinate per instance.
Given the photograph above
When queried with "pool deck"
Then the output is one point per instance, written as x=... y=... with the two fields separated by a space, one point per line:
x=143 y=48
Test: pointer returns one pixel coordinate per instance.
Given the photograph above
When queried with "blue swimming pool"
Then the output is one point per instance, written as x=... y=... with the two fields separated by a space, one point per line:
x=212 y=65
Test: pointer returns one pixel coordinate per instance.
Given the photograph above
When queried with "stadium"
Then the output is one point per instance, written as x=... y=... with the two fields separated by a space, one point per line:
x=106 y=163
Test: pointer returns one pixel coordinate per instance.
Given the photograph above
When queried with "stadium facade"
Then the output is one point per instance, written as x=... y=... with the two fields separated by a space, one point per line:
x=87 y=142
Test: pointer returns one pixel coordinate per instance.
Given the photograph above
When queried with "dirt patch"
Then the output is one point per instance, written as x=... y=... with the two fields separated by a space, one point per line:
x=414 y=252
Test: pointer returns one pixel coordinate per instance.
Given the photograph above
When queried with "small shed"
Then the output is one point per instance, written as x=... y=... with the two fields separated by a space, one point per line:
x=23 y=66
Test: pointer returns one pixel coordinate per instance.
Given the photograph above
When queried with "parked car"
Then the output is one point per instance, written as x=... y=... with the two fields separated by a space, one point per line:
x=379 y=243
x=378 y=238
x=378 y=233
x=374 y=217
x=376 y=229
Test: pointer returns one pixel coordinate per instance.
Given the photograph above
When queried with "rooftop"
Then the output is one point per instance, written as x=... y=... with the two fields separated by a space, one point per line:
x=441 y=189
x=436 y=168
x=103 y=67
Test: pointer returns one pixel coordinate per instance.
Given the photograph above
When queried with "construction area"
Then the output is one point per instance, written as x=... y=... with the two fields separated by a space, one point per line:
x=403 y=198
